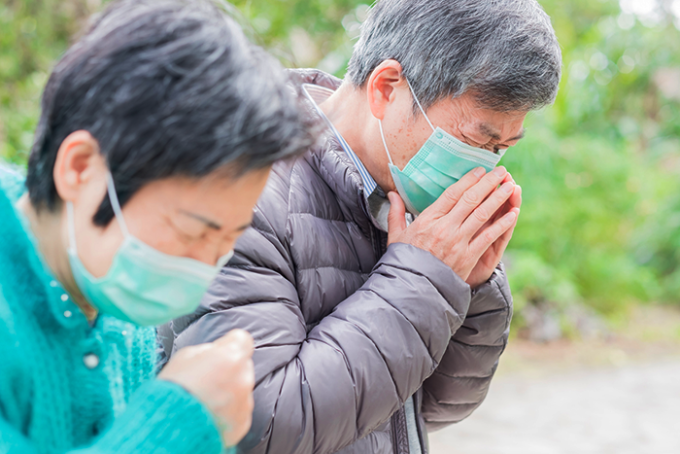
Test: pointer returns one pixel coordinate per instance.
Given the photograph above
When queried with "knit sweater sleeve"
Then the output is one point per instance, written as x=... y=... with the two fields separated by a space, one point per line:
x=160 y=417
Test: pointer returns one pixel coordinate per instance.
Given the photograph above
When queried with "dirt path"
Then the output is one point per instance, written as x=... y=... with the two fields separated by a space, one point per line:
x=633 y=409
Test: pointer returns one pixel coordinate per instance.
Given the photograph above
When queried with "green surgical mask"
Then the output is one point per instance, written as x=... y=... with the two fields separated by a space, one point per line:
x=439 y=163
x=143 y=286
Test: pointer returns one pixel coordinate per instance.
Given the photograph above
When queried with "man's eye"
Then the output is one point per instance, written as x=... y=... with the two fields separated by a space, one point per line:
x=472 y=143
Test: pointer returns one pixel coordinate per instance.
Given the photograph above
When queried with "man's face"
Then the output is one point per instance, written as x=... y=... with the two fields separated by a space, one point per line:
x=461 y=117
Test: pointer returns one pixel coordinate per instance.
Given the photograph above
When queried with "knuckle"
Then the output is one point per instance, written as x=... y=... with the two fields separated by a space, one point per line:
x=488 y=236
x=471 y=198
x=247 y=383
x=481 y=215
x=451 y=195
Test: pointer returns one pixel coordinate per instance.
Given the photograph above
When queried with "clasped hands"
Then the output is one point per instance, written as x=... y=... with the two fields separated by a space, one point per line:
x=468 y=227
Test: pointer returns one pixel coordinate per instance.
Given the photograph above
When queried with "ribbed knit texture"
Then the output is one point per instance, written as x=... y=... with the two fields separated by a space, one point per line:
x=66 y=386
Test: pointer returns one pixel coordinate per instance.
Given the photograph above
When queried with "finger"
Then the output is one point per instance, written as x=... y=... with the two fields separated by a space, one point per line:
x=489 y=236
x=474 y=196
x=248 y=375
x=516 y=199
x=237 y=431
x=453 y=193
x=396 y=218
x=241 y=411
x=502 y=242
x=237 y=340
x=488 y=209
x=192 y=351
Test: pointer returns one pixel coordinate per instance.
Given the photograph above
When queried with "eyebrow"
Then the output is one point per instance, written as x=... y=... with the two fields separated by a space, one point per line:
x=211 y=224
x=486 y=129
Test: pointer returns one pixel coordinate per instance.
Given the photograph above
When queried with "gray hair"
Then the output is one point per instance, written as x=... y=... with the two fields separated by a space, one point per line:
x=504 y=52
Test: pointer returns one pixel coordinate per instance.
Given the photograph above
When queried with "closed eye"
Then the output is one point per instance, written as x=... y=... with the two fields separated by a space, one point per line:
x=471 y=142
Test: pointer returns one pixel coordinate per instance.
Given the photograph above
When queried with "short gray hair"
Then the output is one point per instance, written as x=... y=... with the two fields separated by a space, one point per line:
x=505 y=52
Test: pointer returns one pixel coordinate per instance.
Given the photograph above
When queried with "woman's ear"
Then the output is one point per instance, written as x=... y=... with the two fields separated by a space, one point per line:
x=381 y=85
x=79 y=163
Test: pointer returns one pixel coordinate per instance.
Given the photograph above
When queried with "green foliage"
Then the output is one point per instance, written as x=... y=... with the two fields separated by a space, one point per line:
x=598 y=168
x=33 y=33
x=600 y=222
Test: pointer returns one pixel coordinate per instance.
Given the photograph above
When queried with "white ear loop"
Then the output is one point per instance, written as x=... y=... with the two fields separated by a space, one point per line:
x=71 y=227
x=382 y=134
x=419 y=106
x=113 y=197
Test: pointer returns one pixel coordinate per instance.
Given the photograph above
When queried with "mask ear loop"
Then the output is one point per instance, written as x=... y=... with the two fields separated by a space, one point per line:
x=419 y=106
x=382 y=134
x=71 y=228
x=113 y=198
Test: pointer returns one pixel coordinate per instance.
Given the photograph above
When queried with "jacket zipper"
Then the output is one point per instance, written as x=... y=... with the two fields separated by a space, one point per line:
x=398 y=416
x=395 y=439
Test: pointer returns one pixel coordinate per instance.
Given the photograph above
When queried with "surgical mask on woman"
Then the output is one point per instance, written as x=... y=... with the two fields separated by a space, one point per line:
x=143 y=285
x=439 y=163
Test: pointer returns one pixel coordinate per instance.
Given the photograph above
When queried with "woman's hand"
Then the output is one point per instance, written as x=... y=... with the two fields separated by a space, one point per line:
x=221 y=375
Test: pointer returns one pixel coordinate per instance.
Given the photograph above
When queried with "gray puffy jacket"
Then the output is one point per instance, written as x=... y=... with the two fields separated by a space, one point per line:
x=346 y=329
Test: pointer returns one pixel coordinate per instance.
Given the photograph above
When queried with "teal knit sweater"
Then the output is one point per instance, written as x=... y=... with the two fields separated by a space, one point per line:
x=66 y=386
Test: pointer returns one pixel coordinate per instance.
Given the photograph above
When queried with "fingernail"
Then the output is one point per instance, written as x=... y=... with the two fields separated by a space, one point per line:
x=508 y=187
x=510 y=217
x=500 y=171
x=479 y=172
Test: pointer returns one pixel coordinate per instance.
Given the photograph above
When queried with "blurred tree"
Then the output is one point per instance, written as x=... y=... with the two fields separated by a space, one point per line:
x=33 y=33
x=600 y=224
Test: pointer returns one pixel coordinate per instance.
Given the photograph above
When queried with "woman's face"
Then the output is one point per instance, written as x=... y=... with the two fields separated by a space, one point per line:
x=195 y=218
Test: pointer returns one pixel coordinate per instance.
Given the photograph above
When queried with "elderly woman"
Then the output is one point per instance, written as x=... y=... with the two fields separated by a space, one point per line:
x=157 y=134
x=369 y=328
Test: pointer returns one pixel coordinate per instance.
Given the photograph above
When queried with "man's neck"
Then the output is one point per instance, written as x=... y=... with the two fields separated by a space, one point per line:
x=347 y=109
x=48 y=229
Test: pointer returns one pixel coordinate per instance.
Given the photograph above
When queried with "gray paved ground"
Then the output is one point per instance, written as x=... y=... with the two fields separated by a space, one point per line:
x=630 y=410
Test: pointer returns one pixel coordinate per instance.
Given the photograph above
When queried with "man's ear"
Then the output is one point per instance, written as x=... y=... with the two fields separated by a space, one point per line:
x=381 y=85
x=78 y=163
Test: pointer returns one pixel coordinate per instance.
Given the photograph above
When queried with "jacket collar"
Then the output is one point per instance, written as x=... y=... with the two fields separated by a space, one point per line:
x=345 y=173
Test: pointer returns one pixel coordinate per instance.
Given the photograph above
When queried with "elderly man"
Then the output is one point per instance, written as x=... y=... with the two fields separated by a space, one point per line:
x=369 y=328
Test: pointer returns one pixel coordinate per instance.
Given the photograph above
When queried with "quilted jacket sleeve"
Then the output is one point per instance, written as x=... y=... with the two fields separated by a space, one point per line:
x=321 y=387
x=461 y=382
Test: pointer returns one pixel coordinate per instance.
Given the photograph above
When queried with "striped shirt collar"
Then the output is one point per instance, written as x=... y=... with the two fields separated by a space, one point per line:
x=317 y=94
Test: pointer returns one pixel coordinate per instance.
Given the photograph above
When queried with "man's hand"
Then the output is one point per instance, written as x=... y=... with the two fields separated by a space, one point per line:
x=492 y=257
x=471 y=220
x=222 y=377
